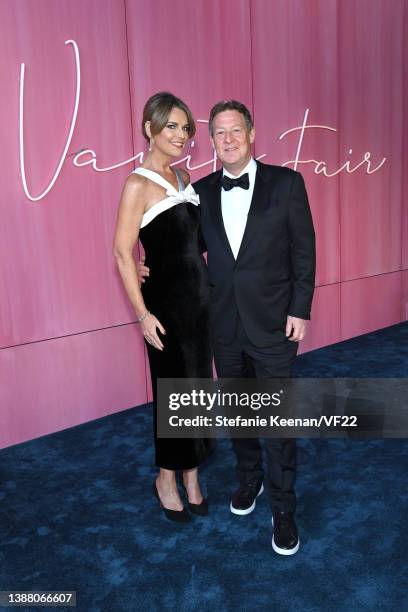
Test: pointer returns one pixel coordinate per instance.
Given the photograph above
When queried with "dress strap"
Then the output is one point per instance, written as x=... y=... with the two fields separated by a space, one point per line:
x=180 y=181
x=156 y=178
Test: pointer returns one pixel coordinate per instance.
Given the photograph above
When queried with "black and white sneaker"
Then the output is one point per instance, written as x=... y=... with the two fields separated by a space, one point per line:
x=244 y=499
x=285 y=539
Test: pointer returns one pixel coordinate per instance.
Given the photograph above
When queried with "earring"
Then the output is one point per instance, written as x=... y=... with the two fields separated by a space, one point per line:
x=151 y=144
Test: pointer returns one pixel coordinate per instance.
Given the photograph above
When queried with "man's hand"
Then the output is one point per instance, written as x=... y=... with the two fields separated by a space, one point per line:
x=142 y=271
x=295 y=328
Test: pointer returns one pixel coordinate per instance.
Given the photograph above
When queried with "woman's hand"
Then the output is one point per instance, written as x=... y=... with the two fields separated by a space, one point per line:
x=149 y=327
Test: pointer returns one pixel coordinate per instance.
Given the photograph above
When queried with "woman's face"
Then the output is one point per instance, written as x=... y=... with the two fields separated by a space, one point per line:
x=173 y=137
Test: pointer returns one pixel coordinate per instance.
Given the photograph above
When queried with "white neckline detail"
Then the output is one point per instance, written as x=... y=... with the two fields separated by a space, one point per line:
x=173 y=198
x=157 y=178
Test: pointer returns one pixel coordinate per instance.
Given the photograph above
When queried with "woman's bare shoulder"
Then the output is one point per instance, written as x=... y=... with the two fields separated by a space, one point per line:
x=137 y=187
x=135 y=182
x=134 y=192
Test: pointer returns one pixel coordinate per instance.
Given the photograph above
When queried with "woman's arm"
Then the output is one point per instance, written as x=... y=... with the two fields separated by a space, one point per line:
x=130 y=213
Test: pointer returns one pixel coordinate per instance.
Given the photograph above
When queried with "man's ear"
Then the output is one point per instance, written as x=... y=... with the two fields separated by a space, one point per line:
x=252 y=135
x=147 y=129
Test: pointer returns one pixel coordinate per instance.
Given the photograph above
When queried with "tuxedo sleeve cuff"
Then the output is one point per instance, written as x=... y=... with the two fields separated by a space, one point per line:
x=299 y=314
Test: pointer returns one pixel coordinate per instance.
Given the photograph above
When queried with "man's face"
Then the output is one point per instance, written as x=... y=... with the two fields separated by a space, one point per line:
x=232 y=140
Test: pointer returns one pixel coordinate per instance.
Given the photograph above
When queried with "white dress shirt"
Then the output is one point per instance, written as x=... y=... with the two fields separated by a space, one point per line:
x=235 y=205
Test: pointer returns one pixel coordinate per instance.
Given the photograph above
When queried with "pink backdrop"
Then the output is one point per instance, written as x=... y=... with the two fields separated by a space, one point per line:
x=70 y=349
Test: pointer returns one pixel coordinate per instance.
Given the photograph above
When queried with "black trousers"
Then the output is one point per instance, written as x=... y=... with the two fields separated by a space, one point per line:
x=242 y=359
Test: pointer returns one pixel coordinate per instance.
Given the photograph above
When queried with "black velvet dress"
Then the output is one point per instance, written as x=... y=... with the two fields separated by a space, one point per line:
x=177 y=293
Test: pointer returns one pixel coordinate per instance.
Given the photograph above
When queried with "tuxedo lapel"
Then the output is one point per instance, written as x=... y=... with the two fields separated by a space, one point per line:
x=262 y=190
x=214 y=203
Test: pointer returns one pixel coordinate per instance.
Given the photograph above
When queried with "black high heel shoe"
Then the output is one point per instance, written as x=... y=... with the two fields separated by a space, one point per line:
x=178 y=516
x=198 y=509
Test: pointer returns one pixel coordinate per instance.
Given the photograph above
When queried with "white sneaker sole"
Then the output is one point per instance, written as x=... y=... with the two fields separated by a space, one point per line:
x=285 y=551
x=248 y=510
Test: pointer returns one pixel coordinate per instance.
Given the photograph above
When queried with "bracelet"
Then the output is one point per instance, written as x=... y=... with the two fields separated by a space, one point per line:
x=142 y=317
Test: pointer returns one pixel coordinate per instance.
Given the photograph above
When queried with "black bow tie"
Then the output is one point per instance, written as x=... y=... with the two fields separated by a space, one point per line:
x=229 y=183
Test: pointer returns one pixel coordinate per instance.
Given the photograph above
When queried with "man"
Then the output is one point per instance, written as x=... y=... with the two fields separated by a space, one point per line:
x=258 y=229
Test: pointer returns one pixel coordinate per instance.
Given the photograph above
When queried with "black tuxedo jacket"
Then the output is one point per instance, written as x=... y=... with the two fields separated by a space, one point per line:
x=274 y=272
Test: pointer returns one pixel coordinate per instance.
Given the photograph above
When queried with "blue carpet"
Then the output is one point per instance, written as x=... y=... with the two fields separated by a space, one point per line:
x=77 y=514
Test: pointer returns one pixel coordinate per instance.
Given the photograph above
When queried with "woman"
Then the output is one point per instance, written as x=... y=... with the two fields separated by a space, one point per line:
x=159 y=205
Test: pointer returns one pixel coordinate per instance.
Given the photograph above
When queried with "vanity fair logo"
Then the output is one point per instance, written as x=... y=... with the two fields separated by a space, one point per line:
x=86 y=157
